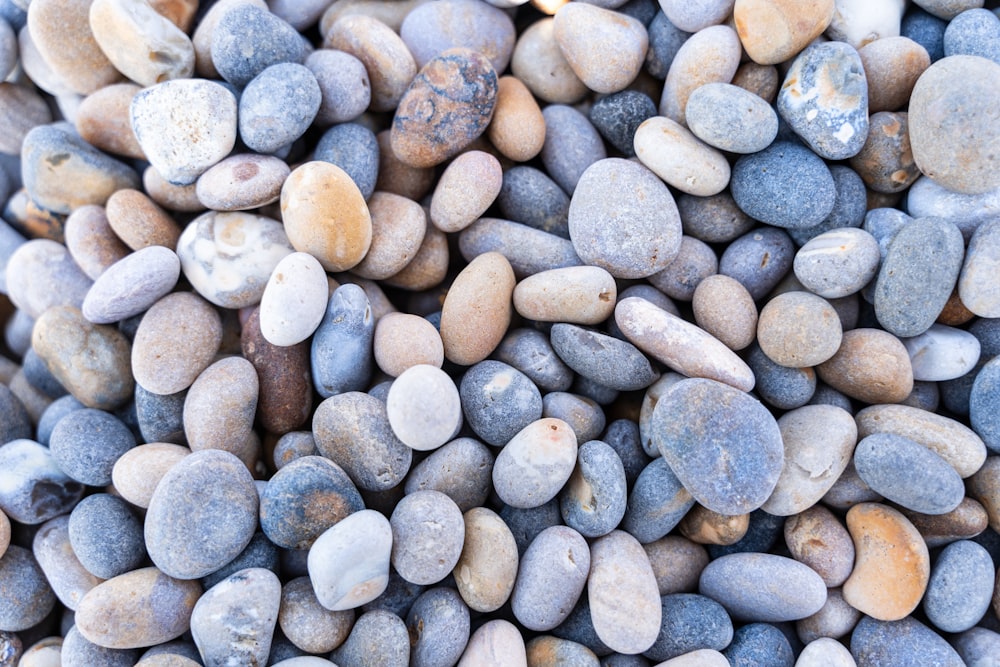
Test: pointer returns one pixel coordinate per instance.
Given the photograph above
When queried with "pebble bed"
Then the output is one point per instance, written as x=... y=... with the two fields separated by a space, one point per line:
x=605 y=333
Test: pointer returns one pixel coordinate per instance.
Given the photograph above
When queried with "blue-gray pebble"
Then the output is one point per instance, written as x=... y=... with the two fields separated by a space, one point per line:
x=690 y=622
x=583 y=415
x=526 y=523
x=984 y=397
x=604 y=359
x=498 y=401
x=14 y=420
x=758 y=260
x=398 y=597
x=571 y=145
x=529 y=351
x=760 y=645
x=461 y=469
x=247 y=40
x=780 y=386
x=56 y=410
x=439 y=628
x=160 y=416
x=763 y=587
x=622 y=435
x=617 y=116
x=579 y=627
x=106 y=536
x=974 y=32
x=342 y=358
x=39 y=375
x=593 y=501
x=529 y=196
x=87 y=443
x=665 y=39
x=903 y=642
x=926 y=30
x=353 y=148
x=28 y=598
x=959 y=591
x=260 y=552
x=278 y=106
x=378 y=637
x=785 y=185
x=657 y=503
x=596 y=392
x=761 y=536
x=849 y=207
x=79 y=652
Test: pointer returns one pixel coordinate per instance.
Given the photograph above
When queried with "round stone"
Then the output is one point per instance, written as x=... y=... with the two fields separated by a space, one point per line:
x=383 y=53
x=139 y=222
x=86 y=444
x=403 y=340
x=602 y=68
x=619 y=115
x=517 y=129
x=341 y=350
x=798 y=329
x=680 y=158
x=424 y=408
x=540 y=64
x=235 y=619
x=724 y=308
x=885 y=162
x=942 y=353
x=545 y=593
x=690 y=623
x=344 y=85
x=131 y=285
x=430 y=29
x=103 y=120
x=64 y=40
x=91 y=242
x=278 y=106
x=439 y=624
x=106 y=537
x=498 y=401
x=398 y=228
x=957 y=592
x=763 y=587
x=377 y=635
x=817 y=538
x=294 y=300
x=355 y=149
x=758 y=260
x=461 y=469
x=837 y=263
x=730 y=118
x=536 y=463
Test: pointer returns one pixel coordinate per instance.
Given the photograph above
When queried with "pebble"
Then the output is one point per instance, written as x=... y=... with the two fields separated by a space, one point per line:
x=387 y=59
x=77 y=651
x=713 y=219
x=477 y=310
x=594 y=500
x=707 y=527
x=772 y=31
x=551 y=577
x=530 y=352
x=711 y=55
x=402 y=340
x=259 y=553
x=429 y=265
x=284 y=399
x=942 y=353
x=8 y=49
x=307 y=624
x=973 y=33
x=892 y=66
x=428 y=535
x=352 y=430
x=572 y=144
x=237 y=39
x=498 y=401
x=379 y=636
x=876 y=640
x=976 y=646
x=343 y=83
x=730 y=118
x=837 y=263
x=349 y=562
x=424 y=408
x=579 y=294
x=277 y=106
x=981 y=258
x=982 y=415
x=195 y=499
x=86 y=443
x=293 y=445
x=432 y=28
x=141 y=608
x=529 y=250
x=54 y=554
x=759 y=644
x=796 y=590
x=495 y=643
x=139 y=222
x=398 y=228
x=342 y=344
x=967 y=520
x=825 y=651
x=102 y=120
x=609 y=361
x=965 y=78
x=836 y=619
x=469 y=486
x=106 y=537
x=958 y=591
x=689 y=623
x=294 y=300
x=539 y=63
x=355 y=149
x=817 y=538
x=885 y=162
x=517 y=128
x=724 y=309
x=679 y=158
x=242 y=182
x=138 y=471
x=140 y=42
x=983 y=488
x=467 y=188
x=926 y=198
x=181 y=152
x=487 y=568
x=29 y=596
x=439 y=627
x=325 y=215
x=601 y=68
x=234 y=621
x=799 y=329
x=871 y=366
x=24 y=109
x=131 y=285
x=619 y=115
x=536 y=463
x=62 y=35
x=908 y=474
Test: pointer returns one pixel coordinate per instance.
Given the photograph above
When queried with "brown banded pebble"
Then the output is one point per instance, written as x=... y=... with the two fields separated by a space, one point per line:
x=892 y=567
x=137 y=472
x=724 y=308
x=139 y=222
x=403 y=340
x=798 y=329
x=518 y=127
x=575 y=294
x=871 y=365
x=103 y=120
x=398 y=228
x=711 y=55
x=467 y=187
x=703 y=526
x=61 y=32
x=539 y=64
x=325 y=215
x=773 y=31
x=477 y=310
x=285 y=399
x=242 y=182
x=605 y=49
x=389 y=63
x=817 y=538
x=681 y=159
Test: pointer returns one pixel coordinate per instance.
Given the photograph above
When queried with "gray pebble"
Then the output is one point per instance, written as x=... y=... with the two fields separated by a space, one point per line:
x=974 y=32
x=535 y=464
x=665 y=40
x=780 y=386
x=439 y=628
x=429 y=29
x=760 y=645
x=526 y=523
x=758 y=260
x=462 y=470
x=617 y=116
x=132 y=284
x=160 y=416
x=849 y=206
x=582 y=414
x=349 y=563
x=731 y=118
x=983 y=402
x=579 y=628
x=353 y=148
x=86 y=443
x=837 y=263
x=763 y=587
x=926 y=30
x=427 y=536
x=598 y=393
x=529 y=351
x=694 y=262
x=234 y=621
x=715 y=219
x=56 y=410
x=594 y=499
x=278 y=106
x=40 y=274
x=906 y=641
x=690 y=622
x=343 y=84
x=28 y=596
x=622 y=435
x=498 y=401
x=261 y=552
x=528 y=250
x=958 y=592
x=15 y=423
x=604 y=359
x=908 y=473
x=106 y=536
x=571 y=145
x=527 y=195
x=550 y=578
x=247 y=40
x=40 y=377
x=977 y=646
x=975 y=284
x=377 y=638
x=398 y=597
x=342 y=356
x=33 y=488
x=51 y=547
x=657 y=503
x=79 y=652
x=293 y=445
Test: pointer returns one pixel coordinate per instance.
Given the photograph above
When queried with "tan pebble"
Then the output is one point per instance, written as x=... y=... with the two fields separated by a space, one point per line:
x=871 y=365
x=892 y=66
x=773 y=31
x=32 y=220
x=496 y=643
x=61 y=32
x=242 y=182
x=389 y=63
x=677 y=563
x=137 y=609
x=180 y=198
x=176 y=340
x=167 y=660
x=761 y=80
x=38 y=70
x=605 y=48
x=704 y=526
x=724 y=308
x=220 y=406
x=798 y=330
x=398 y=177
x=326 y=215
x=835 y=619
x=680 y=345
x=539 y=64
x=622 y=592
x=964 y=522
x=137 y=472
x=403 y=340
x=398 y=228
x=487 y=568
x=22 y=109
x=885 y=162
x=817 y=538
x=180 y=12
x=711 y=55
x=468 y=186
x=102 y=119
x=202 y=38
x=91 y=241
x=892 y=566
x=575 y=294
x=680 y=158
x=4 y=533
x=428 y=267
x=477 y=310
x=139 y=222
x=518 y=127
x=984 y=486
x=951 y=440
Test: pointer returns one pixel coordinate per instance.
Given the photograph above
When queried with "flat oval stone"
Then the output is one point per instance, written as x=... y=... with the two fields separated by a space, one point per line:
x=837 y=263
x=772 y=31
x=139 y=222
x=202 y=514
x=918 y=274
x=181 y=152
x=344 y=85
x=467 y=187
x=285 y=389
x=982 y=259
x=105 y=536
x=325 y=215
x=892 y=567
x=551 y=578
x=711 y=55
x=530 y=352
x=680 y=158
x=398 y=228
x=782 y=387
x=957 y=593
x=461 y=470
x=730 y=118
x=908 y=474
x=730 y=476
x=579 y=294
x=871 y=365
x=494 y=641
x=602 y=69
x=131 y=285
x=220 y=406
x=87 y=442
x=584 y=415
x=24 y=109
x=517 y=129
x=724 y=309
x=62 y=35
x=294 y=300
x=528 y=249
x=540 y=64
x=572 y=144
x=91 y=242
x=536 y=463
x=141 y=608
x=609 y=361
x=695 y=262
x=799 y=329
x=737 y=581
x=278 y=106
x=487 y=567
x=759 y=259
x=355 y=149
x=349 y=562
x=248 y=39
x=926 y=198
x=933 y=131
x=424 y=408
x=90 y=360
x=942 y=353
x=498 y=401
x=977 y=645
x=875 y=640
x=242 y=182
x=31 y=598
x=447 y=106
x=477 y=310
x=403 y=340
x=824 y=99
x=621 y=571
x=235 y=619
x=181 y=198
x=679 y=344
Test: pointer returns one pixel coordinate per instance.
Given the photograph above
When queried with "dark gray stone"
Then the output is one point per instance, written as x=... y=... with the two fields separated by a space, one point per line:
x=342 y=358
x=759 y=645
x=39 y=376
x=160 y=416
x=715 y=219
x=904 y=642
x=984 y=398
x=571 y=145
x=28 y=598
x=498 y=401
x=780 y=386
x=353 y=148
x=260 y=552
x=604 y=359
x=14 y=420
x=33 y=488
x=926 y=30
x=622 y=435
x=527 y=195
x=378 y=637
x=106 y=536
x=617 y=116
x=461 y=469
x=657 y=503
x=688 y=623
x=528 y=250
x=665 y=40
x=529 y=351
x=849 y=206
x=87 y=443
x=579 y=627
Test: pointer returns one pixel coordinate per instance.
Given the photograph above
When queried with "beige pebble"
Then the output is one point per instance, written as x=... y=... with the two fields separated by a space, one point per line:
x=798 y=330
x=392 y=14
x=467 y=187
x=477 y=310
x=892 y=566
x=724 y=308
x=242 y=182
x=892 y=66
x=137 y=472
x=180 y=12
x=817 y=538
x=4 y=533
x=518 y=127
x=397 y=177
x=102 y=119
x=294 y=300
x=984 y=486
x=46 y=652
x=677 y=563
x=61 y=32
x=704 y=526
x=326 y=215
x=703 y=657
x=139 y=222
x=835 y=619
x=202 y=38
x=871 y=365
x=403 y=340
x=680 y=158
x=486 y=570
x=711 y=55
x=220 y=406
x=91 y=241
x=575 y=294
x=429 y=265
x=539 y=64
x=605 y=49
x=389 y=63
x=773 y=31
x=398 y=228
x=761 y=80
x=180 y=198
x=496 y=643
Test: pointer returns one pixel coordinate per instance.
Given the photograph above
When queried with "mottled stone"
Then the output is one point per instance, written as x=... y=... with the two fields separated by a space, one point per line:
x=349 y=562
x=63 y=37
x=139 y=222
x=711 y=55
x=772 y=31
x=876 y=641
x=428 y=532
x=837 y=263
x=487 y=567
x=242 y=182
x=234 y=621
x=707 y=527
x=737 y=581
x=818 y=539
x=551 y=578
x=306 y=623
x=871 y=365
x=602 y=68
x=248 y=39
x=381 y=50
x=87 y=442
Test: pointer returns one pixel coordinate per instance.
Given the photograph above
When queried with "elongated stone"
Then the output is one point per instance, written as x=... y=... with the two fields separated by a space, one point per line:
x=623 y=595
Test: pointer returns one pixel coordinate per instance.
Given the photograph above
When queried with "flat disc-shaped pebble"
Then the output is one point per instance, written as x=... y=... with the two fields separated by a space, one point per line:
x=278 y=106
x=723 y=445
x=585 y=34
x=202 y=514
x=624 y=219
x=763 y=587
x=41 y=274
x=234 y=620
x=551 y=578
x=326 y=215
x=424 y=407
x=680 y=158
x=242 y=182
x=294 y=300
x=349 y=563
x=536 y=463
x=131 y=285
x=608 y=361
x=477 y=309
x=982 y=262
x=181 y=152
x=141 y=608
x=487 y=567
x=467 y=187
x=341 y=350
x=623 y=595
x=908 y=474
x=892 y=567
x=730 y=118
x=428 y=532
x=446 y=107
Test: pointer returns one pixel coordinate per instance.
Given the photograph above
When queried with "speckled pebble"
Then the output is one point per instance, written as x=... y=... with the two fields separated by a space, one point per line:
x=604 y=359
x=680 y=158
x=837 y=263
x=29 y=596
x=594 y=499
x=957 y=593
x=981 y=259
x=982 y=404
x=428 y=533
x=760 y=644
x=620 y=571
x=355 y=149
x=377 y=635
x=973 y=32
x=235 y=619
x=942 y=353
x=875 y=641
x=977 y=646
x=54 y=553
x=736 y=581
x=711 y=55
x=86 y=444
x=106 y=536
x=344 y=85
x=585 y=416
x=551 y=578
x=467 y=187
x=724 y=308
x=619 y=115
x=782 y=387
x=439 y=626
x=62 y=36
x=77 y=652
x=141 y=42
x=540 y=64
x=758 y=260
x=402 y=340
x=139 y=222
x=497 y=642
x=730 y=118
x=571 y=145
x=306 y=623
x=102 y=120
x=278 y=106
x=528 y=249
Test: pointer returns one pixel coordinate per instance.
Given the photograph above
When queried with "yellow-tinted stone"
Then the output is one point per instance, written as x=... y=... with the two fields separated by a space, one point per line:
x=477 y=310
